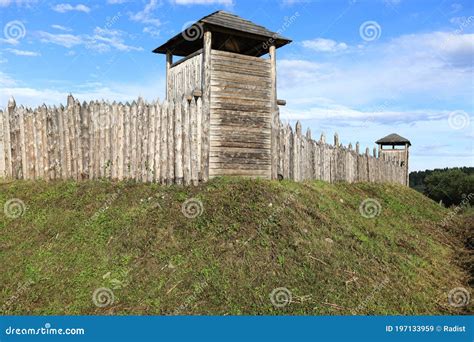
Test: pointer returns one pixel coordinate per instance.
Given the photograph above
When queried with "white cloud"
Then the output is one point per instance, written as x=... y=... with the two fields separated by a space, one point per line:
x=324 y=45
x=456 y=7
x=23 y=52
x=10 y=41
x=63 y=8
x=120 y=92
x=61 y=28
x=146 y=15
x=415 y=69
x=151 y=31
x=392 y=3
x=6 y=81
x=204 y=2
x=106 y=39
x=63 y=39
x=293 y=2
x=102 y=40
x=6 y=3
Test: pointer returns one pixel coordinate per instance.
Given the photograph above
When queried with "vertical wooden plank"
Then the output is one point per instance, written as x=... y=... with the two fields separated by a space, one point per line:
x=171 y=118
x=2 y=145
x=187 y=113
x=109 y=119
x=296 y=152
x=274 y=110
x=169 y=61
x=206 y=97
x=127 y=141
x=101 y=145
x=62 y=158
x=275 y=123
x=291 y=154
x=145 y=138
x=164 y=143
x=29 y=144
x=199 y=119
x=85 y=140
x=98 y=163
x=281 y=149
x=55 y=149
x=151 y=142
x=92 y=139
x=78 y=139
x=116 y=141
x=22 y=144
x=140 y=124
x=50 y=143
x=157 y=173
x=13 y=118
x=120 y=142
x=179 y=131
x=41 y=141
x=194 y=143
x=7 y=138
x=72 y=138
x=133 y=140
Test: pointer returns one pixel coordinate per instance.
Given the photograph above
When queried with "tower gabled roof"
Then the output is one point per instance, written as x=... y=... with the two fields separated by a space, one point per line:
x=393 y=139
x=226 y=23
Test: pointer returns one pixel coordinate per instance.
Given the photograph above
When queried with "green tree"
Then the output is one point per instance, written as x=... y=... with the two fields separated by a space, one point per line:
x=451 y=186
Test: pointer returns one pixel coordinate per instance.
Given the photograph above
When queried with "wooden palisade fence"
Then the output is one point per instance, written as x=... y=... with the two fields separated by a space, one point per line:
x=159 y=142
x=149 y=142
x=299 y=157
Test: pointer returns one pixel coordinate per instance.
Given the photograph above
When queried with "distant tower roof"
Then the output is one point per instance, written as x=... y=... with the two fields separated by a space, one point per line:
x=393 y=139
x=233 y=34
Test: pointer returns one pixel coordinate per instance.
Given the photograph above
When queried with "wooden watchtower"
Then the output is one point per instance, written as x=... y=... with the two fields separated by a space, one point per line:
x=223 y=61
x=396 y=148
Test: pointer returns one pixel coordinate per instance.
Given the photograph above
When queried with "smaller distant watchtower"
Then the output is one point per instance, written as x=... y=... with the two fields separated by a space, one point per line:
x=396 y=148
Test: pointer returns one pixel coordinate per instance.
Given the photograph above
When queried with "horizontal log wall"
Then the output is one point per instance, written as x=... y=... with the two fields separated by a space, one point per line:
x=149 y=142
x=240 y=115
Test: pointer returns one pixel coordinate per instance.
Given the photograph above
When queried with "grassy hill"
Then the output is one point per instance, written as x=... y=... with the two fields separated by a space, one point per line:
x=253 y=239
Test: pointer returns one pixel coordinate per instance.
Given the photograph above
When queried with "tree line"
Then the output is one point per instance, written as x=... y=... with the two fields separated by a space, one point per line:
x=451 y=186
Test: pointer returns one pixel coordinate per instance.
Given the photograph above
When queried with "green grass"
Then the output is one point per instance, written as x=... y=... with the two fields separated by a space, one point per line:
x=253 y=236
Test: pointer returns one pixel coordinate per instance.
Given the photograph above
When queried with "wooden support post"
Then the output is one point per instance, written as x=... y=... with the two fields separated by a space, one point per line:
x=274 y=111
x=169 y=61
x=206 y=107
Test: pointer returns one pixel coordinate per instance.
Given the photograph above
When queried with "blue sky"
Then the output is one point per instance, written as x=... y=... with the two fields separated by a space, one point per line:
x=363 y=69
